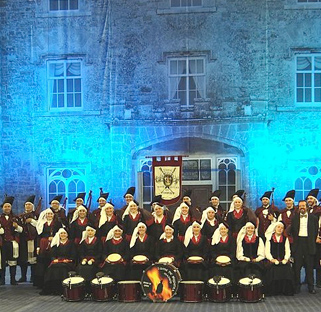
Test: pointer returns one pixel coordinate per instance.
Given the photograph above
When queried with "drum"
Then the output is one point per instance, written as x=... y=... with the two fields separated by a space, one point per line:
x=129 y=291
x=160 y=282
x=114 y=258
x=250 y=290
x=195 y=259
x=219 y=290
x=166 y=260
x=140 y=259
x=73 y=288
x=223 y=260
x=102 y=289
x=191 y=291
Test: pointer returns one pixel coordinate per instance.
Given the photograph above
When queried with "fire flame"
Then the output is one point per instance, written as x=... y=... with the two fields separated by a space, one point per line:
x=156 y=280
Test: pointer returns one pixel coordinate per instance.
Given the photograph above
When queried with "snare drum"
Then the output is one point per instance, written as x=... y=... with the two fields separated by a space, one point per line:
x=102 y=289
x=220 y=291
x=166 y=260
x=129 y=291
x=250 y=290
x=114 y=258
x=73 y=288
x=191 y=291
x=141 y=259
x=160 y=282
x=223 y=260
x=195 y=259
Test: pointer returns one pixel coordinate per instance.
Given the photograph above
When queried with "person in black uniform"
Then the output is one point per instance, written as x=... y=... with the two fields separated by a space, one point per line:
x=58 y=210
x=161 y=217
x=304 y=230
x=80 y=201
x=95 y=215
x=9 y=231
x=78 y=224
x=210 y=221
x=215 y=204
x=115 y=244
x=279 y=279
x=63 y=256
x=181 y=221
x=28 y=239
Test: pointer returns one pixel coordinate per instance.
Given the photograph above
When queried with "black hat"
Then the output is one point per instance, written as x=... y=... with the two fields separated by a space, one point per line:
x=187 y=193
x=8 y=200
x=31 y=199
x=130 y=191
x=58 y=198
x=156 y=199
x=289 y=194
x=267 y=194
x=313 y=193
x=216 y=193
x=80 y=195
x=103 y=195
x=238 y=193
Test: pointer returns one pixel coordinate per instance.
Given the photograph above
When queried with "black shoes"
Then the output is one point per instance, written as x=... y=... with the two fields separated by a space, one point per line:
x=312 y=291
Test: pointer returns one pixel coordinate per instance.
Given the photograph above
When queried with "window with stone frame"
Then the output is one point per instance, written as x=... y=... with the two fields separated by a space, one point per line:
x=64 y=85
x=308 y=1
x=186 y=80
x=63 y=5
x=185 y=3
x=67 y=182
x=310 y=178
x=308 y=79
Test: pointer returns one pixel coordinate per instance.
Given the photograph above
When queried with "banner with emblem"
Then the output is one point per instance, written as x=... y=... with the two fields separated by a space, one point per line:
x=167 y=173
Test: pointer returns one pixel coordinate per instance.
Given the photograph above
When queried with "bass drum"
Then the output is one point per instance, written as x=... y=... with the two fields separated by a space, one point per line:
x=102 y=289
x=160 y=282
x=219 y=291
x=73 y=288
x=250 y=290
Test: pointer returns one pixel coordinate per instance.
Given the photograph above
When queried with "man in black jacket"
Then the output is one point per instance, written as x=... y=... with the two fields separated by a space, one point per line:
x=304 y=229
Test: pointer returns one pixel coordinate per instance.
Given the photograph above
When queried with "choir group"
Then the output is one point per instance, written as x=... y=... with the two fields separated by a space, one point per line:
x=268 y=244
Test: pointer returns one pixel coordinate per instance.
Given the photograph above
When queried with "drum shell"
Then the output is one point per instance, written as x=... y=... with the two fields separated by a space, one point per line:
x=191 y=291
x=219 y=293
x=129 y=291
x=103 y=292
x=74 y=292
x=250 y=293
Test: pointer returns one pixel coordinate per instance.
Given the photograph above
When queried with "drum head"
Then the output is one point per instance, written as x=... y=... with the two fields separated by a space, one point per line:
x=140 y=258
x=195 y=259
x=73 y=280
x=223 y=281
x=223 y=259
x=114 y=257
x=160 y=282
x=246 y=281
x=192 y=282
x=102 y=281
x=165 y=260
x=128 y=282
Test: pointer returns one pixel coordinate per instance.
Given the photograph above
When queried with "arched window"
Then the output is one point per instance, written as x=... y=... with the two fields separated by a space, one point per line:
x=309 y=179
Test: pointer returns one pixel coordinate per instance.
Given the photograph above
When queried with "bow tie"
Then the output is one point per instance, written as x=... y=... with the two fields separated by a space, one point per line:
x=303 y=215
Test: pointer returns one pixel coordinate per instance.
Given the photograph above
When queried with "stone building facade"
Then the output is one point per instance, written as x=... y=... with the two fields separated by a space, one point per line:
x=91 y=89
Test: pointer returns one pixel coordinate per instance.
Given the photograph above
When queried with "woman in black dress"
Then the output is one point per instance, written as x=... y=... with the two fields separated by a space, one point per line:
x=78 y=224
x=210 y=221
x=181 y=221
x=131 y=217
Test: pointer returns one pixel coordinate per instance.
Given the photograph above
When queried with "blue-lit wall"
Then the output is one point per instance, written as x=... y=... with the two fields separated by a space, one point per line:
x=124 y=45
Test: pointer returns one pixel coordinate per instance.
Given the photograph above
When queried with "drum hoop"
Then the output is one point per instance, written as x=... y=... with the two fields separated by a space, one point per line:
x=259 y=284
x=81 y=281
x=103 y=281
x=228 y=282
x=118 y=256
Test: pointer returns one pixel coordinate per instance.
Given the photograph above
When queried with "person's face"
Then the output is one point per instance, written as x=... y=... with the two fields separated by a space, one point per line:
x=184 y=210
x=128 y=198
x=250 y=230
x=82 y=213
x=79 y=201
x=28 y=207
x=118 y=233
x=63 y=235
x=6 y=208
x=49 y=216
x=211 y=215
x=90 y=232
x=101 y=202
x=109 y=211
x=159 y=211
x=265 y=201
x=288 y=203
x=311 y=201
x=303 y=207
x=133 y=208
x=215 y=201
x=169 y=232
x=196 y=229
x=279 y=229
x=141 y=230
x=223 y=230
x=55 y=205
x=238 y=203
x=186 y=199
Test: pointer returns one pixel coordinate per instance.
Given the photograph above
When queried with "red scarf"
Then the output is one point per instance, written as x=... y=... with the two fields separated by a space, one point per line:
x=188 y=219
x=136 y=218
x=115 y=241
x=93 y=241
x=275 y=240
x=250 y=241
x=222 y=241
x=239 y=214
x=196 y=241
x=84 y=223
